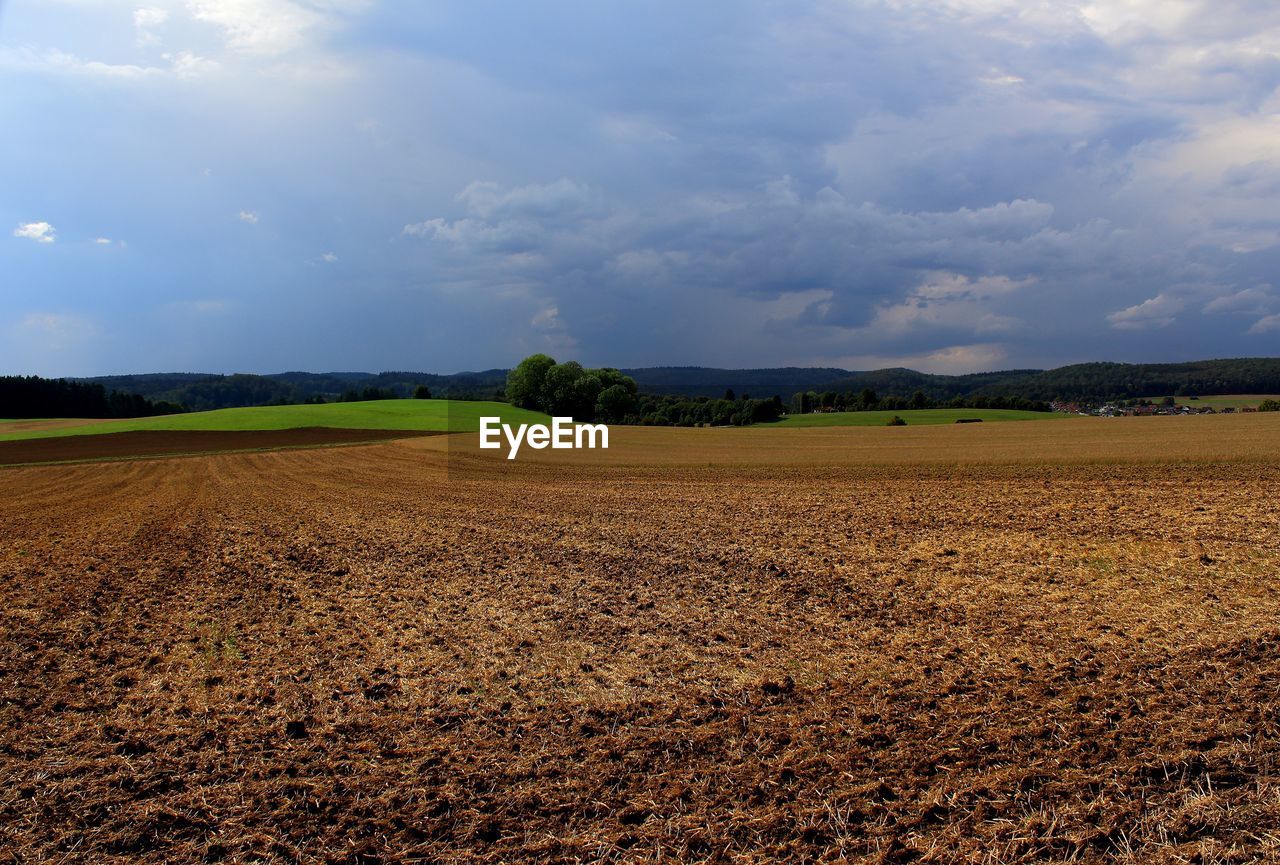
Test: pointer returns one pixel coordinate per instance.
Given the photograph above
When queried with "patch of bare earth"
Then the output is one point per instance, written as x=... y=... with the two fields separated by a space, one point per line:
x=346 y=656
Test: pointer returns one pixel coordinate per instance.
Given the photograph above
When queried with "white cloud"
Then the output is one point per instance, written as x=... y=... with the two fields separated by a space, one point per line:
x=186 y=65
x=66 y=63
x=950 y=301
x=1256 y=301
x=1266 y=324
x=941 y=285
x=254 y=27
x=182 y=65
x=102 y=241
x=249 y=216
x=269 y=28
x=40 y=232
x=329 y=258
x=951 y=360
x=145 y=23
x=1158 y=311
x=546 y=322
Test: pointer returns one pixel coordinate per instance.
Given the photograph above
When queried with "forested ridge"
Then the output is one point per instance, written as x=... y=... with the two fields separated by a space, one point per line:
x=121 y=395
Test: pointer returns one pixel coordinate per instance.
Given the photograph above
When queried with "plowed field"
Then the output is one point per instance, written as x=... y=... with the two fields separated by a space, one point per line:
x=836 y=654
x=162 y=442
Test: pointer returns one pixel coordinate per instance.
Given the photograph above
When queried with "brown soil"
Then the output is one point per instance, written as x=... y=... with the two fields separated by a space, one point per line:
x=162 y=442
x=350 y=655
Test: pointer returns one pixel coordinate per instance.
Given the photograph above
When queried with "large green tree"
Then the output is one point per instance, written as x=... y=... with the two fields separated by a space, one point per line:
x=526 y=383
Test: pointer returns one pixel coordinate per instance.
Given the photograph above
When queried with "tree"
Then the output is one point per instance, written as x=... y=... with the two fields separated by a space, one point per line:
x=558 y=388
x=728 y=394
x=919 y=400
x=1269 y=405
x=422 y=392
x=614 y=404
x=526 y=382
x=868 y=398
x=586 y=390
x=895 y=421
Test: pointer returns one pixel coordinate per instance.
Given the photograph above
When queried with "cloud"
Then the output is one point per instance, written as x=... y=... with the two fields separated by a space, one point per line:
x=949 y=360
x=487 y=199
x=269 y=28
x=249 y=216
x=1253 y=301
x=1266 y=324
x=948 y=305
x=551 y=331
x=862 y=275
x=930 y=182
x=329 y=258
x=1158 y=311
x=182 y=65
x=40 y=232
x=256 y=27
x=187 y=66
x=146 y=21
x=102 y=241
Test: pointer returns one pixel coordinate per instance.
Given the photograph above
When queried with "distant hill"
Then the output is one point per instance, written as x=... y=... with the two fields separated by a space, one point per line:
x=1085 y=381
x=1101 y=381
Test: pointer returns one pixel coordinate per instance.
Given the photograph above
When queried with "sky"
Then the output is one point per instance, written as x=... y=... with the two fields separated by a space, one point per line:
x=952 y=185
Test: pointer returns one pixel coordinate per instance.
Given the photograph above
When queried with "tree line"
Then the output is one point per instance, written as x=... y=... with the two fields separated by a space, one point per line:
x=571 y=390
x=672 y=410
x=868 y=400
x=32 y=396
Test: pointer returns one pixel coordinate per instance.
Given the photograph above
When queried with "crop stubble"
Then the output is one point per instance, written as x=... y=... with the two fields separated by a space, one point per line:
x=343 y=655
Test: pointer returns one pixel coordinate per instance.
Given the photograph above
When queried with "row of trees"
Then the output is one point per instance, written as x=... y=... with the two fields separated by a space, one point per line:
x=703 y=411
x=868 y=400
x=32 y=396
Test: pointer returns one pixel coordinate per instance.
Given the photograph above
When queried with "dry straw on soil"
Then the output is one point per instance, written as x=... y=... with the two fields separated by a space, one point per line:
x=994 y=652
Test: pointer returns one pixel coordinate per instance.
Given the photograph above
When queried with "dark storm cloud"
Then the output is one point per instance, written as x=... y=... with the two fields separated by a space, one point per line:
x=952 y=185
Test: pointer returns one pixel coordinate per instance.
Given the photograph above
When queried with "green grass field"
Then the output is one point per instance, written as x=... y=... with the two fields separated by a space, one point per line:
x=913 y=418
x=1221 y=401
x=406 y=414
